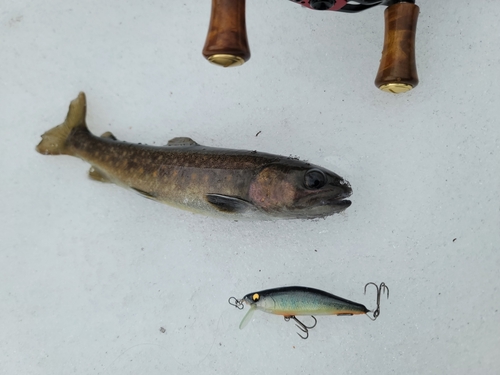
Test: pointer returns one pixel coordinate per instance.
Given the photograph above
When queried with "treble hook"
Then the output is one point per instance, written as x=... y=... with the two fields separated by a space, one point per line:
x=238 y=303
x=301 y=325
x=380 y=289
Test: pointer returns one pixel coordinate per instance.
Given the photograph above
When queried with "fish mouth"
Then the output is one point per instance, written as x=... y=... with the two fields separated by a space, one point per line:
x=320 y=204
x=338 y=202
x=335 y=195
x=344 y=203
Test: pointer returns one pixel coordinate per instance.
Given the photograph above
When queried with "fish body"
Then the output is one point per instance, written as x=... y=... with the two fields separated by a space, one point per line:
x=213 y=181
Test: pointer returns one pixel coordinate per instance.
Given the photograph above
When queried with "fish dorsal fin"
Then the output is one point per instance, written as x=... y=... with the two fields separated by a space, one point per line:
x=109 y=135
x=228 y=204
x=97 y=175
x=182 y=142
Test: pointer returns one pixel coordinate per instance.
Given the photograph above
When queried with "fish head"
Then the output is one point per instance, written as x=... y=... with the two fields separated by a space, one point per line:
x=296 y=189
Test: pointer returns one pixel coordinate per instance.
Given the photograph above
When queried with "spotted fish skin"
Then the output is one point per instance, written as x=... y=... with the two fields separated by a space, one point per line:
x=212 y=181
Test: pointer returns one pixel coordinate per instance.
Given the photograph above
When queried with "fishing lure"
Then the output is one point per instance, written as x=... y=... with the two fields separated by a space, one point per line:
x=292 y=301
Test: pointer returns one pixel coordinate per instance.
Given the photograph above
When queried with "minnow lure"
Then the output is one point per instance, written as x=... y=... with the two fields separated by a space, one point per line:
x=212 y=181
x=292 y=301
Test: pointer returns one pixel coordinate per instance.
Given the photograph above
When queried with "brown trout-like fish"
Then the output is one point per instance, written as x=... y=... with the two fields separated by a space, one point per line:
x=212 y=181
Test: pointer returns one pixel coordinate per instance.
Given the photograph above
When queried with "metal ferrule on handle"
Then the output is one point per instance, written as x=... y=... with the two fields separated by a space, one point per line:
x=226 y=44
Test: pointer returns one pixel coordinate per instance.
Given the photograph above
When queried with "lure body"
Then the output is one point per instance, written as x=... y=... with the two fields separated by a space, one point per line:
x=292 y=301
x=212 y=181
x=299 y=300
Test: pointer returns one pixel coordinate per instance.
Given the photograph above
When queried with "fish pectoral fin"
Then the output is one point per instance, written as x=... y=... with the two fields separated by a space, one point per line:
x=182 y=142
x=109 y=135
x=145 y=194
x=97 y=175
x=229 y=204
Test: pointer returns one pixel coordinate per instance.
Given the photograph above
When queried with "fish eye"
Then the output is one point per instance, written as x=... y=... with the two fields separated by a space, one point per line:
x=256 y=297
x=314 y=179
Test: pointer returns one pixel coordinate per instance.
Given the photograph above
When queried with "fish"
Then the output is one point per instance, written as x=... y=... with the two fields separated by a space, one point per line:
x=236 y=184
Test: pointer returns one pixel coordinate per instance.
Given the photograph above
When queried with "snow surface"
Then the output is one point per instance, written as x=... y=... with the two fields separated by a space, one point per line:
x=97 y=280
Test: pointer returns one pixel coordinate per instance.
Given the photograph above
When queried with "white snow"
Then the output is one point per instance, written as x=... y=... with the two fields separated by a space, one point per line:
x=90 y=273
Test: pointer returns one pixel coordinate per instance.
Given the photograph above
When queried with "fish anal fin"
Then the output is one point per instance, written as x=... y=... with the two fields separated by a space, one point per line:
x=109 y=135
x=182 y=142
x=97 y=175
x=145 y=194
x=228 y=204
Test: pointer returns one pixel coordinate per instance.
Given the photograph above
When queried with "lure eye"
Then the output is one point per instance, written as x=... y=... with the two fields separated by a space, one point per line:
x=314 y=179
x=256 y=297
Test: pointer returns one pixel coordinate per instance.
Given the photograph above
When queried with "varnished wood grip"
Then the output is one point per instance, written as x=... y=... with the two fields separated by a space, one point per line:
x=227 y=43
x=398 y=71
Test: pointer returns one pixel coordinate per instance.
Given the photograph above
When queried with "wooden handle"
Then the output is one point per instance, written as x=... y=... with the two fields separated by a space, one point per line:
x=227 y=43
x=398 y=72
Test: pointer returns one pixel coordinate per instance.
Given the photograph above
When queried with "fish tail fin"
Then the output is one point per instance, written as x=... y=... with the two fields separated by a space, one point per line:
x=54 y=140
